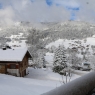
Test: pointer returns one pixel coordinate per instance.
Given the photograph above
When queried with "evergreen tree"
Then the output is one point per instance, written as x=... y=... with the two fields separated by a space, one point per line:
x=60 y=59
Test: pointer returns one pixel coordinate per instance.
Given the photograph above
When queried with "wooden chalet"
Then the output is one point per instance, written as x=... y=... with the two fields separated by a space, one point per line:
x=14 y=61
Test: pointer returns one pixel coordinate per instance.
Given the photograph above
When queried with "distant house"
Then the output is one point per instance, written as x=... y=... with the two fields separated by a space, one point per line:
x=14 y=61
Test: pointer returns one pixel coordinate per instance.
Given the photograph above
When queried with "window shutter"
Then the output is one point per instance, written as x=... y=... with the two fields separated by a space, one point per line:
x=8 y=66
x=17 y=66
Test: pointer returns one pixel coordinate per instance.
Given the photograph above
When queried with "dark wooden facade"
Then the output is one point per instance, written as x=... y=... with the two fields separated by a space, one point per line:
x=2 y=68
x=21 y=66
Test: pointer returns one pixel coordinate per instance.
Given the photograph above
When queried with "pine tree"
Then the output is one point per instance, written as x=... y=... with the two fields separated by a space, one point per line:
x=60 y=59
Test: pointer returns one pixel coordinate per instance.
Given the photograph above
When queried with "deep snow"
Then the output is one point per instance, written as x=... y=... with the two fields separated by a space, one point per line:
x=37 y=82
x=84 y=43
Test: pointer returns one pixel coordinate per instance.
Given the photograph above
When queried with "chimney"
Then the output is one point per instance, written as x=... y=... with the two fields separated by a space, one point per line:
x=4 y=48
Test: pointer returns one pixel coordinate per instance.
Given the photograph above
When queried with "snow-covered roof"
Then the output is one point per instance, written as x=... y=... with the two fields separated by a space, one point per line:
x=12 y=54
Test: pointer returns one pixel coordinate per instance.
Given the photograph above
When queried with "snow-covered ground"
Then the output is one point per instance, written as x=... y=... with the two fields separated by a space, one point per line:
x=49 y=58
x=67 y=43
x=38 y=81
x=16 y=43
x=10 y=85
x=84 y=44
x=47 y=74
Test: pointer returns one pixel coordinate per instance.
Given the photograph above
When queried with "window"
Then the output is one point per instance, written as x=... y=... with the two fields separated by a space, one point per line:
x=13 y=66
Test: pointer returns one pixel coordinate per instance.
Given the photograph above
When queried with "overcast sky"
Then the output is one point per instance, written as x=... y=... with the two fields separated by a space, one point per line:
x=46 y=10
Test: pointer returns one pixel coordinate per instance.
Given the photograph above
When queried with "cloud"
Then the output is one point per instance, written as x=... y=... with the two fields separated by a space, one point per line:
x=6 y=16
x=87 y=11
x=70 y=5
x=82 y=10
x=46 y=10
x=32 y=10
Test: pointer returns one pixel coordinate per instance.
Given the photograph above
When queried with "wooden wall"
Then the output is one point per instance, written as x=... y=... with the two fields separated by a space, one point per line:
x=2 y=69
x=23 y=66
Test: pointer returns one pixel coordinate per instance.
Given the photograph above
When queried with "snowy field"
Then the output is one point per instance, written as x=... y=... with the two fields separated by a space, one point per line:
x=87 y=44
x=68 y=43
x=84 y=43
x=16 y=43
x=36 y=82
x=10 y=85
x=47 y=74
